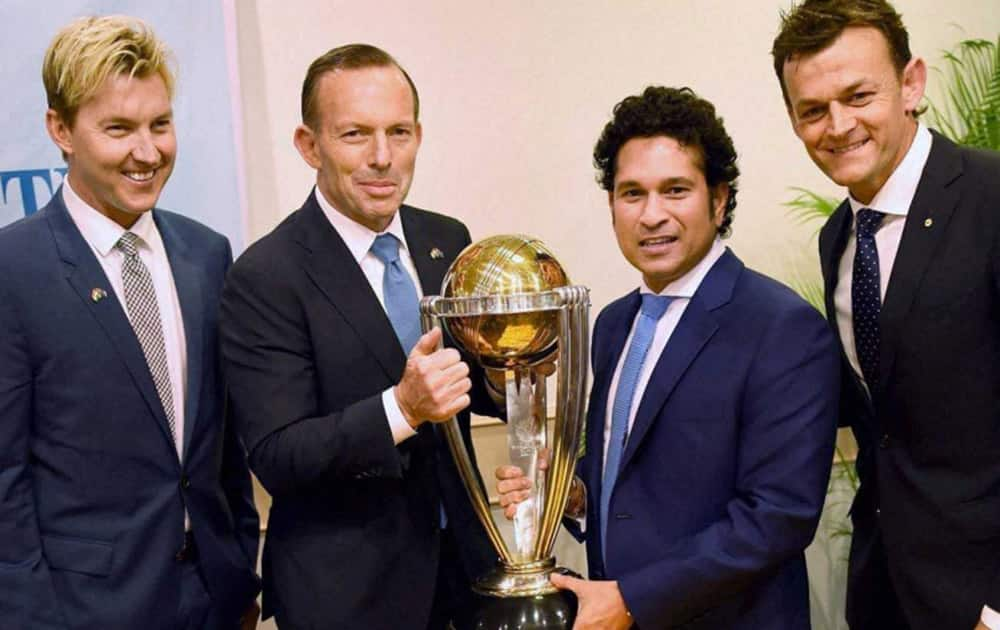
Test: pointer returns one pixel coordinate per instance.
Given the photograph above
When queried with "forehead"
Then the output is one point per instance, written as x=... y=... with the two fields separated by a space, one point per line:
x=373 y=94
x=657 y=157
x=860 y=53
x=128 y=97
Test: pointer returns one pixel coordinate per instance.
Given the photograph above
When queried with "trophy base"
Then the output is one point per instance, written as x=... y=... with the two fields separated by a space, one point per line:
x=519 y=598
x=552 y=611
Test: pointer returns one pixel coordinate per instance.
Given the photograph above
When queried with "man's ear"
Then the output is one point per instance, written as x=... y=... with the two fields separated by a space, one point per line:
x=60 y=131
x=913 y=82
x=305 y=142
x=720 y=196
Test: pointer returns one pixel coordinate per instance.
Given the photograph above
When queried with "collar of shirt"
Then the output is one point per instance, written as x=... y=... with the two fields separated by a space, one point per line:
x=358 y=238
x=897 y=193
x=100 y=232
x=686 y=285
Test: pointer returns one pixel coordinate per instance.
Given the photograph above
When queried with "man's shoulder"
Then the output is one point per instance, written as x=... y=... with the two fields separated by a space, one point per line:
x=760 y=292
x=982 y=164
x=190 y=230
x=426 y=218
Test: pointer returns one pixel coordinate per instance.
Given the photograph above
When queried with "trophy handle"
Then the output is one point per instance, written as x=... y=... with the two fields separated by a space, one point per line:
x=456 y=445
x=570 y=391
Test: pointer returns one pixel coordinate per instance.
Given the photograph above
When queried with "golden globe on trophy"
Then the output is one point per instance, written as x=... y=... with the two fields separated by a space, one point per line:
x=507 y=302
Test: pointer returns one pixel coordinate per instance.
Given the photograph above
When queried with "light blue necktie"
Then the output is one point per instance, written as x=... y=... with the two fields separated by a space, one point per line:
x=401 y=304
x=398 y=292
x=653 y=308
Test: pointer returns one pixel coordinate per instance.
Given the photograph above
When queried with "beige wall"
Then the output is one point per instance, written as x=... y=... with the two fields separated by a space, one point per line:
x=515 y=93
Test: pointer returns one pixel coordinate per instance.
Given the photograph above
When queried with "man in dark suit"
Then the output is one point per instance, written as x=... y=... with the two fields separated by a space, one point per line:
x=712 y=419
x=370 y=526
x=125 y=500
x=911 y=267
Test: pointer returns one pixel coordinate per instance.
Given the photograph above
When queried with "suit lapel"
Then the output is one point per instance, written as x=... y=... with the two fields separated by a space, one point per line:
x=606 y=357
x=420 y=243
x=188 y=278
x=329 y=263
x=935 y=201
x=693 y=331
x=85 y=274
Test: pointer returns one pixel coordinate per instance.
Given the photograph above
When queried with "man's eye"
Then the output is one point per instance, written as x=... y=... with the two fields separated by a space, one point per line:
x=811 y=114
x=403 y=132
x=860 y=98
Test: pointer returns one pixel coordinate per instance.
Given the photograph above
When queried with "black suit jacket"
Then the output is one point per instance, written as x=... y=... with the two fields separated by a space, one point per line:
x=92 y=492
x=353 y=537
x=929 y=437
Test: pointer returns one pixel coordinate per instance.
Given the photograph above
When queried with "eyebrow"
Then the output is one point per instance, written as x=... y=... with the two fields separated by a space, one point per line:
x=669 y=181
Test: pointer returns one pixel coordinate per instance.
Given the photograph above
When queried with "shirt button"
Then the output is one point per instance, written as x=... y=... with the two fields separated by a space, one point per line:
x=185 y=482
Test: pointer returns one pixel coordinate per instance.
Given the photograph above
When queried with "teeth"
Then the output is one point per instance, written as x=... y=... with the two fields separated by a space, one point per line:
x=145 y=176
x=657 y=241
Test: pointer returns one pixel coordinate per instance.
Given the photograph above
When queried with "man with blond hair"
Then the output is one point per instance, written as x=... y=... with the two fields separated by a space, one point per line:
x=125 y=499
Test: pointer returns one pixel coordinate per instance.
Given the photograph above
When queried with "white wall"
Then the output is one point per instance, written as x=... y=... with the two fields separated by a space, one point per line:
x=514 y=94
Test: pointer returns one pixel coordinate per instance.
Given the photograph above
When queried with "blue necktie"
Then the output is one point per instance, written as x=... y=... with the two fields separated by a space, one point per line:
x=653 y=308
x=398 y=292
x=866 y=300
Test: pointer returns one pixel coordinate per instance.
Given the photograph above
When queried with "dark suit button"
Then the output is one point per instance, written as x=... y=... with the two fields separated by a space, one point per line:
x=878 y=511
x=623 y=516
x=185 y=482
x=884 y=442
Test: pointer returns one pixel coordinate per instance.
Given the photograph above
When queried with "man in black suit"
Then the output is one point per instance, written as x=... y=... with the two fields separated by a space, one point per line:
x=370 y=526
x=911 y=265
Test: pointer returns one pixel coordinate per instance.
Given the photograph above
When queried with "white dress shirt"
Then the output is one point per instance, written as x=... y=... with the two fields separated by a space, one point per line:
x=682 y=289
x=359 y=241
x=894 y=199
x=101 y=234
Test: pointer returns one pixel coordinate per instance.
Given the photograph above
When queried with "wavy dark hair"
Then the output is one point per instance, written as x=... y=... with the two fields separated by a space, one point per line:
x=813 y=25
x=680 y=114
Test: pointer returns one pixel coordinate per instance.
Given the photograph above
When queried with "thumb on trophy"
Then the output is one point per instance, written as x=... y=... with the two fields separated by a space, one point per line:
x=428 y=343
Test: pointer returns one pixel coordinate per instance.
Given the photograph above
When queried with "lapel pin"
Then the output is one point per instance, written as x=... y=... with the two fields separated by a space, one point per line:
x=437 y=254
x=98 y=294
x=928 y=222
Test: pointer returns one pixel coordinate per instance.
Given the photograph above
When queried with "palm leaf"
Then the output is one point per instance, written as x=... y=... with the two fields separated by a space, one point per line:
x=970 y=114
x=808 y=206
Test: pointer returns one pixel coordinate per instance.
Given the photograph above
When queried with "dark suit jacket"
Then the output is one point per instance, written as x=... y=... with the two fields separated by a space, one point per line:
x=725 y=471
x=92 y=494
x=353 y=536
x=929 y=439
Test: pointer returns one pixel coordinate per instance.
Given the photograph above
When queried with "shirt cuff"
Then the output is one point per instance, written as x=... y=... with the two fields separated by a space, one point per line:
x=990 y=618
x=401 y=429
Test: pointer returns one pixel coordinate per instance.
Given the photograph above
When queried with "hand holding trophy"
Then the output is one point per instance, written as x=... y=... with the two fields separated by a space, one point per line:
x=508 y=303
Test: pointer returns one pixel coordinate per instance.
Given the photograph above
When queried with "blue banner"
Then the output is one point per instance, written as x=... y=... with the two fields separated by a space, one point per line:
x=207 y=183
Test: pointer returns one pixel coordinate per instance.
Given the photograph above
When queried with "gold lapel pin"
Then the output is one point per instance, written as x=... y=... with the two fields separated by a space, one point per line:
x=437 y=254
x=98 y=294
x=928 y=222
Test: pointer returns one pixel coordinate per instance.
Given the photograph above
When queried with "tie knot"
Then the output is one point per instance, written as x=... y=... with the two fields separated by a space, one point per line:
x=869 y=221
x=128 y=243
x=386 y=248
x=654 y=306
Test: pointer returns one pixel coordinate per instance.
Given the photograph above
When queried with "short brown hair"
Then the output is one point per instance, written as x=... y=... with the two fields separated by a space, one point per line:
x=349 y=57
x=89 y=50
x=814 y=24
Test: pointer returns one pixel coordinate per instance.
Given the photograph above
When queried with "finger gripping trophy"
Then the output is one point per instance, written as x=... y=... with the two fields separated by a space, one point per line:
x=507 y=301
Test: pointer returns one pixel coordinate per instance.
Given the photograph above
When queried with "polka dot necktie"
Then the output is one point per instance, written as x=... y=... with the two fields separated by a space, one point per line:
x=653 y=308
x=866 y=300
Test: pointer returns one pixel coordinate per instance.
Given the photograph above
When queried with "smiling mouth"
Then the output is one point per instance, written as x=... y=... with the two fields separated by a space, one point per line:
x=140 y=177
x=848 y=148
x=657 y=241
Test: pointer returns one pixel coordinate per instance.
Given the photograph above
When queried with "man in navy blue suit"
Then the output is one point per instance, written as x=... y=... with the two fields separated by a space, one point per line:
x=125 y=499
x=712 y=416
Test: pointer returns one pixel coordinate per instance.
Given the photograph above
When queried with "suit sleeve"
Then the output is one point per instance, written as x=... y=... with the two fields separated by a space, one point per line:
x=269 y=366
x=788 y=423
x=27 y=595
x=235 y=474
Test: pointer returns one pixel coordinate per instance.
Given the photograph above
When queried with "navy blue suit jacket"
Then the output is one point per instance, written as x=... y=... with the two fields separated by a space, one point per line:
x=726 y=467
x=92 y=492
